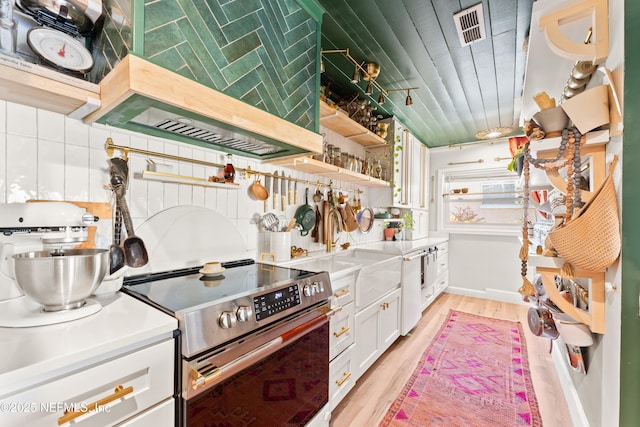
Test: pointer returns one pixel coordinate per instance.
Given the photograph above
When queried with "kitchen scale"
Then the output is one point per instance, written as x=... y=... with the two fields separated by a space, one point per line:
x=23 y=312
x=54 y=32
x=59 y=49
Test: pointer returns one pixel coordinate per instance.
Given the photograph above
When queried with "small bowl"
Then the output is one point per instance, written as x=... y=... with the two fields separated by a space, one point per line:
x=552 y=121
x=456 y=190
x=464 y=190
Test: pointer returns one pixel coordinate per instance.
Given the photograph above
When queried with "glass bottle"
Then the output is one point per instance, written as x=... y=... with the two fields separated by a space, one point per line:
x=229 y=170
x=377 y=169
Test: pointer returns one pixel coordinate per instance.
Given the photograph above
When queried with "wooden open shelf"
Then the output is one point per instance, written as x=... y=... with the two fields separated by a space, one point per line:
x=549 y=267
x=316 y=167
x=36 y=86
x=340 y=122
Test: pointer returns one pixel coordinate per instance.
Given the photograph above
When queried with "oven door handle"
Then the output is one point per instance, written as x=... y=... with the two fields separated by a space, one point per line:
x=208 y=373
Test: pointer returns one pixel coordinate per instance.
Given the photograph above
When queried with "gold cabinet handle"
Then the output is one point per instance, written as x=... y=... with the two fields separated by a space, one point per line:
x=342 y=331
x=343 y=379
x=384 y=305
x=118 y=393
x=341 y=293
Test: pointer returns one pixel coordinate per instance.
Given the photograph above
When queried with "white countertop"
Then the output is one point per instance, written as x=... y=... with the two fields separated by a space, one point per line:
x=122 y=325
x=402 y=246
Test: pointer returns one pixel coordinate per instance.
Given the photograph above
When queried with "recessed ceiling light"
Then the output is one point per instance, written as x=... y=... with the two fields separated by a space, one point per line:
x=494 y=132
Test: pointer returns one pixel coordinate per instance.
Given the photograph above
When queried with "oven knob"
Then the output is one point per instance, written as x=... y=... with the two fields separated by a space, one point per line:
x=244 y=313
x=308 y=290
x=320 y=286
x=227 y=319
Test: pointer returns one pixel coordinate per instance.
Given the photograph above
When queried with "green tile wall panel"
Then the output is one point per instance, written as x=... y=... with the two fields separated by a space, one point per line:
x=263 y=52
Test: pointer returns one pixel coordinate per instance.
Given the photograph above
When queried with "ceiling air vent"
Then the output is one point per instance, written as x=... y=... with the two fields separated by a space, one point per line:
x=470 y=25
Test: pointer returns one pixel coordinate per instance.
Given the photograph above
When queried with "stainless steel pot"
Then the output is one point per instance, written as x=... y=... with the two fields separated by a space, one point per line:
x=541 y=322
x=60 y=280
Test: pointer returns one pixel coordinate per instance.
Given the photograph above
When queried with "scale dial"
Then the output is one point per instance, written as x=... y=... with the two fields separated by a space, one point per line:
x=60 y=49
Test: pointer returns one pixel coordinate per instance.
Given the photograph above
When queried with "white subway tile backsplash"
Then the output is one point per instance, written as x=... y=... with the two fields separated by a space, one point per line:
x=76 y=172
x=50 y=126
x=47 y=155
x=3 y=117
x=22 y=120
x=3 y=165
x=22 y=168
x=76 y=132
x=51 y=164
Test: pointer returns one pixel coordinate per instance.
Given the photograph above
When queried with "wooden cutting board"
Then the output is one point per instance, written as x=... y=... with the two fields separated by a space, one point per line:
x=102 y=210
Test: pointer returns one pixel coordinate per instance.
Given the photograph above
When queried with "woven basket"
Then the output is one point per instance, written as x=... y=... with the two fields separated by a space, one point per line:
x=591 y=240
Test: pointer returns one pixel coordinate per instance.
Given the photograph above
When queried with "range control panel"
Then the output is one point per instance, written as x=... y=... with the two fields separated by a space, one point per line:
x=275 y=302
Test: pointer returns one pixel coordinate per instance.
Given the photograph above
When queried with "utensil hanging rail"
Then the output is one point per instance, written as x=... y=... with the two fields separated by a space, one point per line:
x=110 y=147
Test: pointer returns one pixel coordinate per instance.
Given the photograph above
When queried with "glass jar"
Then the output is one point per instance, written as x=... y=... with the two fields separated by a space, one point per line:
x=365 y=167
x=377 y=169
x=329 y=156
x=345 y=160
x=352 y=163
x=337 y=156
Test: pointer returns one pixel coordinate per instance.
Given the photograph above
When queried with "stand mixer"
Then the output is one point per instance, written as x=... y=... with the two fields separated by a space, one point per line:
x=42 y=226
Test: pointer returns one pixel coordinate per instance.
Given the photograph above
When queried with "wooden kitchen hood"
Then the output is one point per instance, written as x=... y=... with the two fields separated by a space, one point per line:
x=143 y=97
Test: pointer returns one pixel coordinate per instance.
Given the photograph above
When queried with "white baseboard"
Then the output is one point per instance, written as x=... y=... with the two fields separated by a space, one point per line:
x=492 y=294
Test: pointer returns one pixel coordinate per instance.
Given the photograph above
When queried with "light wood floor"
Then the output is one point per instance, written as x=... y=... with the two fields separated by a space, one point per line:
x=374 y=392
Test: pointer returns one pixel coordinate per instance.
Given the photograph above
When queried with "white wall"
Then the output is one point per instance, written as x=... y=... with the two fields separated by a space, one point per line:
x=45 y=155
x=480 y=265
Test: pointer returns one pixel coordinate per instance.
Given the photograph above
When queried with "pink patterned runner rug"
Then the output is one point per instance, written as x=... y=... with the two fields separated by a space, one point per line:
x=474 y=373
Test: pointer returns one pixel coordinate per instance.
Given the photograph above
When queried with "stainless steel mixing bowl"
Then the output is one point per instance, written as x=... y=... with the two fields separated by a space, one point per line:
x=61 y=280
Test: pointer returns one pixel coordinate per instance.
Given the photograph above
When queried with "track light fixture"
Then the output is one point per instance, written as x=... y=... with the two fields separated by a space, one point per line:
x=369 y=89
x=356 y=76
x=369 y=72
x=408 y=100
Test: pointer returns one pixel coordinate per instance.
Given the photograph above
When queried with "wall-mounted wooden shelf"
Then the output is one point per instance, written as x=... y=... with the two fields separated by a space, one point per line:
x=182 y=179
x=36 y=86
x=316 y=167
x=340 y=122
x=549 y=267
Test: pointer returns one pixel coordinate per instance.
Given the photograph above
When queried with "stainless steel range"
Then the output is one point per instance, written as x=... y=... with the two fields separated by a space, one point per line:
x=254 y=341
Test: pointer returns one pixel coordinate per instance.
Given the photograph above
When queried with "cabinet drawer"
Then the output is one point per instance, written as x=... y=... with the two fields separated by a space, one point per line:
x=162 y=415
x=341 y=328
x=341 y=377
x=443 y=249
x=443 y=264
x=124 y=387
x=441 y=282
x=343 y=290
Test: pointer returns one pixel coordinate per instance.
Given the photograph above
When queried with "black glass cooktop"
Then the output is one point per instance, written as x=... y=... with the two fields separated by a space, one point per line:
x=185 y=289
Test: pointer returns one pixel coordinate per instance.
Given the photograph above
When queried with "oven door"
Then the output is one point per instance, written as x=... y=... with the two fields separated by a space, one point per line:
x=280 y=377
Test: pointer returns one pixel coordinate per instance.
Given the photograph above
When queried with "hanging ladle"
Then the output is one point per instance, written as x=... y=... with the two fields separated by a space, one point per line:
x=116 y=253
x=135 y=253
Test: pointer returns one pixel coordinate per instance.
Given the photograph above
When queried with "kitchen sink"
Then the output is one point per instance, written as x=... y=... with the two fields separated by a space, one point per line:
x=380 y=273
x=334 y=266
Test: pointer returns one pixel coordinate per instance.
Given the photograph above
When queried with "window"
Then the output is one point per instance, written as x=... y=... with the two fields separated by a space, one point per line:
x=481 y=201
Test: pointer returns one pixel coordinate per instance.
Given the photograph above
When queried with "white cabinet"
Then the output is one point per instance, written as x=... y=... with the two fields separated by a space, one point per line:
x=342 y=376
x=138 y=384
x=341 y=330
x=377 y=327
x=407 y=163
x=436 y=278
